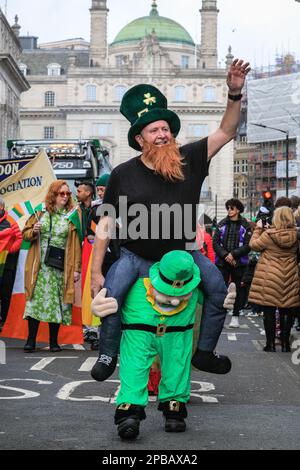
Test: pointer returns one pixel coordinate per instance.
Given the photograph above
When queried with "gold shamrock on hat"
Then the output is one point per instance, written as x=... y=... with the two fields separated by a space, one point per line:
x=149 y=99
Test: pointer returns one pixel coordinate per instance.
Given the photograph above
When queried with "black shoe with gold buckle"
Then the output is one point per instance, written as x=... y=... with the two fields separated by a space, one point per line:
x=128 y=418
x=174 y=413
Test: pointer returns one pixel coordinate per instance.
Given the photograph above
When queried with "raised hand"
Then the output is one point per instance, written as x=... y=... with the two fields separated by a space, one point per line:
x=236 y=75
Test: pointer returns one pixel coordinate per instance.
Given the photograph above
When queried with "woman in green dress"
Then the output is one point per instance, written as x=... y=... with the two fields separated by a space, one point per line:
x=50 y=290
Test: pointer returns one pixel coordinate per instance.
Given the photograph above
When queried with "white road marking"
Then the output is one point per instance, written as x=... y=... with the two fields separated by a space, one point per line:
x=241 y=327
x=47 y=360
x=26 y=393
x=77 y=347
x=204 y=387
x=66 y=391
x=114 y=399
x=205 y=398
x=257 y=344
x=88 y=364
x=236 y=333
x=2 y=352
x=231 y=337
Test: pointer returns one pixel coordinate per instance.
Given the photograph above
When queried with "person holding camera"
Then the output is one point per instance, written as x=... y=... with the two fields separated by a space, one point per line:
x=53 y=265
x=276 y=281
x=231 y=245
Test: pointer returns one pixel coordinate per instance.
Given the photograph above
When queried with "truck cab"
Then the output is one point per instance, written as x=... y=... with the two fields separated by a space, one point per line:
x=72 y=160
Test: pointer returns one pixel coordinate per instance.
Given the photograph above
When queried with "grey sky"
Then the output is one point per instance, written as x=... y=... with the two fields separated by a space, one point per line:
x=256 y=29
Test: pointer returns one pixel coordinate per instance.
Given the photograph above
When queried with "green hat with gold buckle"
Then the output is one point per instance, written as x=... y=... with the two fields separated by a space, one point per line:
x=175 y=274
x=144 y=104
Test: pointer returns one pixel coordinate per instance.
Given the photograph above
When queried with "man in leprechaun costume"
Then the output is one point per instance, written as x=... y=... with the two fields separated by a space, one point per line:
x=157 y=318
x=164 y=175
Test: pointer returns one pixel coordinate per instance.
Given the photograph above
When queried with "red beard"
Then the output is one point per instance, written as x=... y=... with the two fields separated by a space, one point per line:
x=166 y=160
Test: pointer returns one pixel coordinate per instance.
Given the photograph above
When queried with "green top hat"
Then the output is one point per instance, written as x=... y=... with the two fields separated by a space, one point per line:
x=175 y=274
x=103 y=180
x=144 y=104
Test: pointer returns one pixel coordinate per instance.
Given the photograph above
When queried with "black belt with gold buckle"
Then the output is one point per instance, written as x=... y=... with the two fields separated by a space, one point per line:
x=159 y=330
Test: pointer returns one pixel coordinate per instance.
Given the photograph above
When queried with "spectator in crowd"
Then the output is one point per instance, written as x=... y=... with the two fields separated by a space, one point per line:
x=10 y=243
x=94 y=215
x=276 y=279
x=54 y=242
x=112 y=252
x=295 y=201
x=101 y=184
x=283 y=201
x=204 y=243
x=297 y=215
x=247 y=281
x=231 y=245
x=296 y=208
x=85 y=193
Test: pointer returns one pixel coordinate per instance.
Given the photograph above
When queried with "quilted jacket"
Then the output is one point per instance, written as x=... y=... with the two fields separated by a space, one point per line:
x=276 y=278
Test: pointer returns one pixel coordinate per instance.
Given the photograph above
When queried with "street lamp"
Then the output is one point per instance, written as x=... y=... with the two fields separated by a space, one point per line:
x=286 y=152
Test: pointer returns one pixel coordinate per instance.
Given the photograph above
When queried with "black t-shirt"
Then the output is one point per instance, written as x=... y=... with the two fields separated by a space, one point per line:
x=149 y=228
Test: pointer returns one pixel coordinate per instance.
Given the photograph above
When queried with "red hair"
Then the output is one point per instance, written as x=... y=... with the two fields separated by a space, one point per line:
x=50 y=200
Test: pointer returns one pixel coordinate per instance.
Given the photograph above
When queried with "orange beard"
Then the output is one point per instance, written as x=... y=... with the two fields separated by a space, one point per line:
x=166 y=160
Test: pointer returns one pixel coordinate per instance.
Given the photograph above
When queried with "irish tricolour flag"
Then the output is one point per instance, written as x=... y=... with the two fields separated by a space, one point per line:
x=19 y=210
x=16 y=327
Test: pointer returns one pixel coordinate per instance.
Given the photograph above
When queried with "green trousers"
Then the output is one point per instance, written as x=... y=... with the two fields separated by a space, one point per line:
x=138 y=350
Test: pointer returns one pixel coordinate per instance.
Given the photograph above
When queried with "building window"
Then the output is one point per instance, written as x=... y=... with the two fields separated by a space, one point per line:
x=91 y=93
x=197 y=130
x=236 y=189
x=23 y=69
x=120 y=91
x=236 y=166
x=49 y=132
x=102 y=129
x=54 y=70
x=49 y=98
x=244 y=189
x=179 y=93
x=244 y=166
x=121 y=60
x=185 y=61
x=209 y=94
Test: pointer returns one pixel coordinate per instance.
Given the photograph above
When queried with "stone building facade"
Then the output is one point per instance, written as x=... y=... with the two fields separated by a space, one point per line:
x=12 y=84
x=76 y=90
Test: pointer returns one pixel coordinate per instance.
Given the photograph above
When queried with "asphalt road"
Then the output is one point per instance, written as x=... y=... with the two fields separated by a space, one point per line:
x=50 y=402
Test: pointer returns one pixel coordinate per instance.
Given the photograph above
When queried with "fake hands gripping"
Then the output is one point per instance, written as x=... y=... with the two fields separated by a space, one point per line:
x=102 y=305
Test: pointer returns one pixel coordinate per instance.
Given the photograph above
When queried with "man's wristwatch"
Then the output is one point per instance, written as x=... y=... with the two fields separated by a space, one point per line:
x=235 y=97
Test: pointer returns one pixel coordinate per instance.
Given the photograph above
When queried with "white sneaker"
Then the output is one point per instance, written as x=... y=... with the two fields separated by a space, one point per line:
x=229 y=312
x=234 y=322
